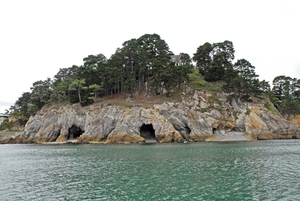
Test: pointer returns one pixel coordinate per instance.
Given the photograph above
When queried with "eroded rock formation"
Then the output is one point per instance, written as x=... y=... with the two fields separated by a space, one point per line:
x=200 y=117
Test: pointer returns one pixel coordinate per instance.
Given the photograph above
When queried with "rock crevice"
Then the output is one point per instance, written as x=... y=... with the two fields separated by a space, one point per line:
x=191 y=120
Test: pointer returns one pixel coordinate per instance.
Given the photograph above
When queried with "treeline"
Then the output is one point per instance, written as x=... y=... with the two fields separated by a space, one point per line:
x=141 y=65
x=215 y=63
x=144 y=65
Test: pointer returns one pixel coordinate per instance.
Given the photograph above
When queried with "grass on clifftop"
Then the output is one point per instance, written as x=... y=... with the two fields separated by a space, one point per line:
x=198 y=83
x=141 y=100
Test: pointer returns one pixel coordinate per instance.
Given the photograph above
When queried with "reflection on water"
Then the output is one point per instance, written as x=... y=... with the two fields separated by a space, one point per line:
x=263 y=170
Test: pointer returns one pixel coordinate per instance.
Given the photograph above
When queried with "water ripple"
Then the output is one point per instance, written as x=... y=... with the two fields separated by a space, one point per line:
x=264 y=170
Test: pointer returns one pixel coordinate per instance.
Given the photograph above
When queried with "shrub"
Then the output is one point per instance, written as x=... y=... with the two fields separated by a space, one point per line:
x=202 y=83
x=196 y=80
x=6 y=125
x=247 y=111
x=87 y=101
x=269 y=106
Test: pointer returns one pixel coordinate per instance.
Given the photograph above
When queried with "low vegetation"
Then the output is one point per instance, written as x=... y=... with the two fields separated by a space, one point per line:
x=6 y=125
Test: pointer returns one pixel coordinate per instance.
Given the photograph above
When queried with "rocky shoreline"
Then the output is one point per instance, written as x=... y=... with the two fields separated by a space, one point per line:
x=15 y=139
x=196 y=119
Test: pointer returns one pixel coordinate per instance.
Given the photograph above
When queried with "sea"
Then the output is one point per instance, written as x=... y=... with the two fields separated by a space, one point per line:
x=254 y=170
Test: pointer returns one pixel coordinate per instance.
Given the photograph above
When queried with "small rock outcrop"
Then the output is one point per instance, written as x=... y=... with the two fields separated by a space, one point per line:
x=200 y=117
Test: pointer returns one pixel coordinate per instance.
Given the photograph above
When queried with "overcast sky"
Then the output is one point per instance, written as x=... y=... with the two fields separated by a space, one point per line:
x=37 y=37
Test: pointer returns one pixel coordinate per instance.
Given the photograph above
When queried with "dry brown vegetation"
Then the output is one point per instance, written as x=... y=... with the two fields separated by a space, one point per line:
x=142 y=100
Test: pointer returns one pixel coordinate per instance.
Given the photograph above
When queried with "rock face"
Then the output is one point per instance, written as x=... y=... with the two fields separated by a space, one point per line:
x=201 y=117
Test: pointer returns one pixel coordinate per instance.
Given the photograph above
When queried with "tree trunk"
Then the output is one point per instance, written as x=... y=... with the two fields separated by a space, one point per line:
x=79 y=94
x=68 y=94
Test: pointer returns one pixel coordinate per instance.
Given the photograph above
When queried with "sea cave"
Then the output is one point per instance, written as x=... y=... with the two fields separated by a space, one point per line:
x=147 y=132
x=74 y=132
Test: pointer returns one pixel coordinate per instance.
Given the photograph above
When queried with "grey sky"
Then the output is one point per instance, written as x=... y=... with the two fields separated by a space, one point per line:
x=39 y=37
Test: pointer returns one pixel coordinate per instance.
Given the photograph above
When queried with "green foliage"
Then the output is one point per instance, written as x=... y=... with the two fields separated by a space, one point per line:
x=40 y=93
x=6 y=125
x=213 y=59
x=180 y=73
x=203 y=110
x=202 y=57
x=285 y=87
x=248 y=111
x=196 y=80
x=87 y=101
x=78 y=85
x=290 y=106
x=157 y=58
x=276 y=102
x=264 y=86
x=269 y=107
x=241 y=79
x=285 y=94
x=235 y=115
x=144 y=65
x=96 y=89
x=230 y=97
x=61 y=92
x=202 y=83
x=213 y=87
x=22 y=109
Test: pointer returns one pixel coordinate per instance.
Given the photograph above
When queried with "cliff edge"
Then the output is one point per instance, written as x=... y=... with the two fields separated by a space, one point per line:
x=201 y=116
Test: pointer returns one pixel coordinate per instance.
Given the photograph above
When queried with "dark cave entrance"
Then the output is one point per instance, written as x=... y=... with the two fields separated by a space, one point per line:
x=74 y=132
x=147 y=132
x=186 y=130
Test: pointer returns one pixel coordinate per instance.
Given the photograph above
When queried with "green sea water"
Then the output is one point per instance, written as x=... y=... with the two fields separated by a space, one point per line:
x=260 y=170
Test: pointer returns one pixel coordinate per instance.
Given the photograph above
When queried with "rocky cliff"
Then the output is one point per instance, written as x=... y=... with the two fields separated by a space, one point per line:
x=203 y=116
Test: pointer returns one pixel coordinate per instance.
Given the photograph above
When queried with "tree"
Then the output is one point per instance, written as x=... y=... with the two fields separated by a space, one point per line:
x=295 y=91
x=41 y=92
x=289 y=106
x=95 y=88
x=249 y=82
x=114 y=73
x=232 y=81
x=77 y=85
x=282 y=86
x=61 y=83
x=92 y=68
x=225 y=48
x=265 y=86
x=203 y=57
x=213 y=60
x=130 y=54
x=156 y=55
x=241 y=79
x=61 y=91
x=22 y=109
x=181 y=72
x=66 y=73
x=286 y=94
